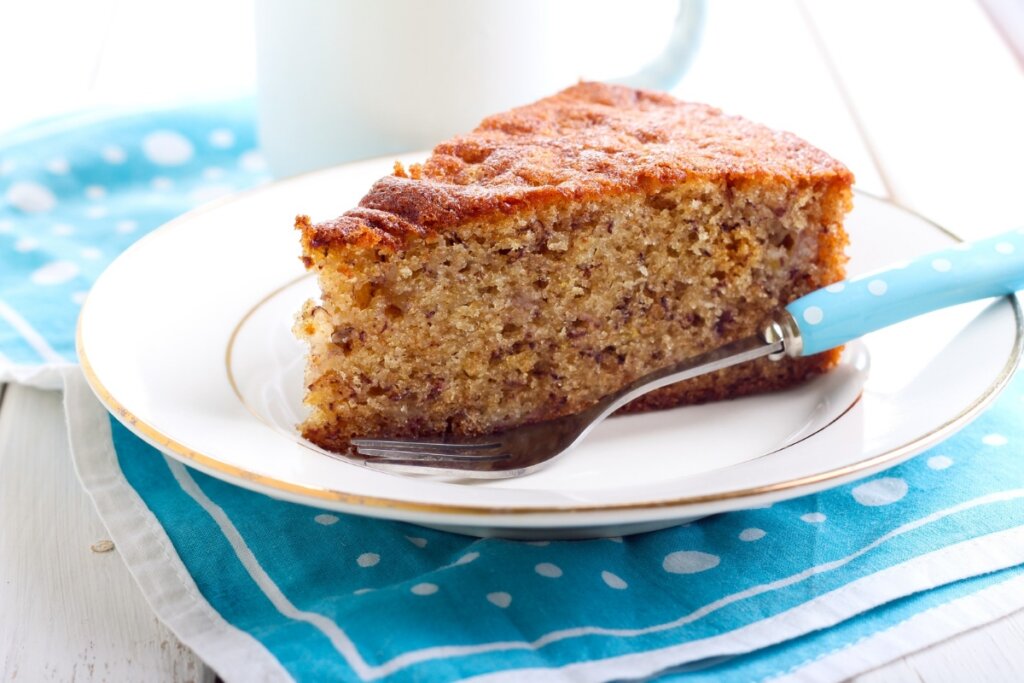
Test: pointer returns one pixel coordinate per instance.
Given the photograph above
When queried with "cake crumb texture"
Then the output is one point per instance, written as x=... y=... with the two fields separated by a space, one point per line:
x=558 y=252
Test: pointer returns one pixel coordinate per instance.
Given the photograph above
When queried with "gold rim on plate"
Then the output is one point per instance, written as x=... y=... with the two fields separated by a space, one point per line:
x=246 y=478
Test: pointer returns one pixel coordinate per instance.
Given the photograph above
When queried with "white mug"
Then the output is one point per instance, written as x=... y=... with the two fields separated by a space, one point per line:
x=340 y=80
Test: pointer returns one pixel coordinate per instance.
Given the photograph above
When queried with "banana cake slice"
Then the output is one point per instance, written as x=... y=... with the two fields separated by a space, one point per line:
x=558 y=252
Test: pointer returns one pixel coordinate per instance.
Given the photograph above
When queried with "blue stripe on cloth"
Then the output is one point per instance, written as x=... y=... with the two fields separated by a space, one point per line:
x=430 y=590
x=214 y=567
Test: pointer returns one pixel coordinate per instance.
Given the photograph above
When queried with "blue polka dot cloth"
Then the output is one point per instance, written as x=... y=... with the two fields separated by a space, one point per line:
x=817 y=588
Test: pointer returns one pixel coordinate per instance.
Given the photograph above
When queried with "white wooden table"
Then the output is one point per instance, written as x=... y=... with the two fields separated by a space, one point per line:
x=924 y=101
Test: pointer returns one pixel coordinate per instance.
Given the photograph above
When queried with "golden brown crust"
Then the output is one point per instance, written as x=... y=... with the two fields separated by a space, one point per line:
x=588 y=141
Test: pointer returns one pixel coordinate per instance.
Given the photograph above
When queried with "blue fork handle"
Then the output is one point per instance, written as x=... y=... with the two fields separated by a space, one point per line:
x=849 y=309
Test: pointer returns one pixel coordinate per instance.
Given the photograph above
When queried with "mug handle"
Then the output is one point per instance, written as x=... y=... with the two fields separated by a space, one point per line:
x=665 y=70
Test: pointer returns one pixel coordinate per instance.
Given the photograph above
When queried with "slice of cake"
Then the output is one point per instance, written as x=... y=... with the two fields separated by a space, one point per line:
x=558 y=252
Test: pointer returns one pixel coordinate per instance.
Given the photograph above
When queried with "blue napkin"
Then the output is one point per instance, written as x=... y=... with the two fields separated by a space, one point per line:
x=823 y=586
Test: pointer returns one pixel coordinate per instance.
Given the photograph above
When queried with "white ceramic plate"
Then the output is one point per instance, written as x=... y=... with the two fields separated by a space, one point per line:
x=186 y=338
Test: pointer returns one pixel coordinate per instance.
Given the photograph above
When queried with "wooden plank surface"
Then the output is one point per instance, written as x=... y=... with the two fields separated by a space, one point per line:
x=991 y=653
x=1007 y=17
x=69 y=612
x=941 y=99
x=758 y=59
x=58 y=56
x=35 y=78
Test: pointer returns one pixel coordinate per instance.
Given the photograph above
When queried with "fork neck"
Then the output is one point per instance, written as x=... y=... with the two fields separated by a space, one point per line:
x=779 y=338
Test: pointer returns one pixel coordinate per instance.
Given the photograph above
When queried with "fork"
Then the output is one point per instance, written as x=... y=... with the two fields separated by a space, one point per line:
x=822 y=320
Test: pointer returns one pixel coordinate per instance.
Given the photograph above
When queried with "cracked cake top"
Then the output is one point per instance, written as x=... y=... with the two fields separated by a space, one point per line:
x=587 y=142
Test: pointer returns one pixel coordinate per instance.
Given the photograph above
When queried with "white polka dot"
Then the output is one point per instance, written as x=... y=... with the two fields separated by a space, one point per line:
x=813 y=518
x=1004 y=248
x=363 y=591
x=539 y=544
x=213 y=173
x=884 y=491
x=994 y=440
x=63 y=230
x=91 y=253
x=55 y=273
x=7 y=166
x=942 y=265
x=467 y=558
x=222 y=138
x=252 y=161
x=95 y=192
x=689 y=562
x=418 y=542
x=125 y=227
x=96 y=211
x=835 y=288
x=499 y=599
x=614 y=581
x=549 y=570
x=167 y=148
x=113 y=154
x=161 y=183
x=58 y=166
x=368 y=559
x=26 y=244
x=752 y=534
x=79 y=297
x=813 y=315
x=878 y=287
x=208 y=193
x=326 y=519
x=30 y=197
x=940 y=462
x=6 y=226
x=615 y=539
x=424 y=589
x=762 y=506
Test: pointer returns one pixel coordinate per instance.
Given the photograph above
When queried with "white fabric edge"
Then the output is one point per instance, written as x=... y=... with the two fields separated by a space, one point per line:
x=966 y=559
x=147 y=551
x=327 y=626
x=914 y=634
x=49 y=377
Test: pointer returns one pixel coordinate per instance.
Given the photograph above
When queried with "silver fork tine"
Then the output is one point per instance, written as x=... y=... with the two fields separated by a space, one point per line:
x=430 y=455
x=440 y=446
x=421 y=468
x=524 y=449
